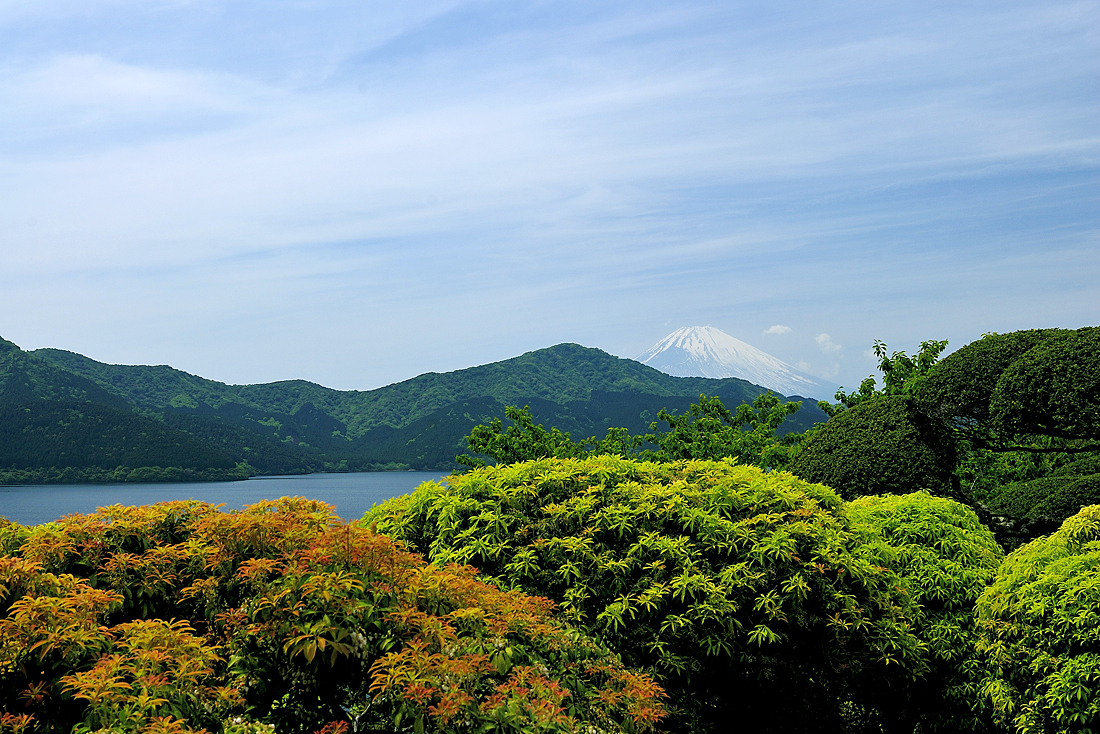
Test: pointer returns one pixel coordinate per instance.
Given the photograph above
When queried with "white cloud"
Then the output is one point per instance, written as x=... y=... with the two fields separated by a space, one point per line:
x=825 y=372
x=778 y=329
x=828 y=346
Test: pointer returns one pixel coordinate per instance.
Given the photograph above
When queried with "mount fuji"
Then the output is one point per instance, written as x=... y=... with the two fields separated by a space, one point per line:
x=703 y=351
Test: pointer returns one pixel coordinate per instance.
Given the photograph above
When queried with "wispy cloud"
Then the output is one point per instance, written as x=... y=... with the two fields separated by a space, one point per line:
x=778 y=329
x=827 y=345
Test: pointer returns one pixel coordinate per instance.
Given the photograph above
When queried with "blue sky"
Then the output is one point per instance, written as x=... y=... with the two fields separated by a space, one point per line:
x=356 y=193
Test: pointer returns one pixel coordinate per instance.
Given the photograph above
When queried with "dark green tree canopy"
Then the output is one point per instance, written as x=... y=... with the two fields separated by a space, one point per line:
x=961 y=385
x=1052 y=390
x=711 y=431
x=901 y=375
x=1005 y=390
x=881 y=446
x=707 y=430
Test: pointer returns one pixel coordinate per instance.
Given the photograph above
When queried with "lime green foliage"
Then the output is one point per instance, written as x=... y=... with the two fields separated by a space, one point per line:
x=742 y=590
x=707 y=430
x=880 y=446
x=946 y=558
x=1039 y=626
x=179 y=618
x=710 y=431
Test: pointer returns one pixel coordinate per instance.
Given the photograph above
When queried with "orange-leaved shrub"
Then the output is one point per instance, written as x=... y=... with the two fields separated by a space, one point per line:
x=178 y=617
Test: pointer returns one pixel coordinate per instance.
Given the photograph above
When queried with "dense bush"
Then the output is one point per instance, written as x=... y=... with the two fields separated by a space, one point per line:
x=741 y=590
x=1039 y=628
x=1051 y=499
x=962 y=384
x=881 y=446
x=946 y=558
x=176 y=617
x=1053 y=389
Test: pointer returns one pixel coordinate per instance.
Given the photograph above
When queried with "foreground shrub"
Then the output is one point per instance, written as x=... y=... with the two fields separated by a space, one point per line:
x=1040 y=630
x=741 y=590
x=177 y=617
x=946 y=558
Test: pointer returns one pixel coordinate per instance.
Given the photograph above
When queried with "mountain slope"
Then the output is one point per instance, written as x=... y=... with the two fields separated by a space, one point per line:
x=294 y=425
x=24 y=377
x=44 y=433
x=560 y=374
x=703 y=351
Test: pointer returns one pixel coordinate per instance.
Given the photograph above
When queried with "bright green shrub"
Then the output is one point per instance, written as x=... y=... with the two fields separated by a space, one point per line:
x=177 y=618
x=881 y=446
x=946 y=558
x=1039 y=625
x=742 y=590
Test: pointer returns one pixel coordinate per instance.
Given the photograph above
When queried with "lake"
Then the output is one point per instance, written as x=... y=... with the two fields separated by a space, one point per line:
x=352 y=494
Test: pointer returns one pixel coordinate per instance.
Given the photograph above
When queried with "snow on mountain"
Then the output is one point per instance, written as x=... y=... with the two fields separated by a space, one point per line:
x=703 y=351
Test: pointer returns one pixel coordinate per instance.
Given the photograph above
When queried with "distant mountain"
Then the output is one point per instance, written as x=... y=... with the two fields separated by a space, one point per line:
x=703 y=351
x=296 y=426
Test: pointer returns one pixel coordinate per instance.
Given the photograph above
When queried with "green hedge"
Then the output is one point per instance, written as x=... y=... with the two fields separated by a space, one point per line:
x=1051 y=499
x=885 y=445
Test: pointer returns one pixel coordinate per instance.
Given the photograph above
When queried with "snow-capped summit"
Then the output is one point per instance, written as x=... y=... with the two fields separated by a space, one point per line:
x=703 y=351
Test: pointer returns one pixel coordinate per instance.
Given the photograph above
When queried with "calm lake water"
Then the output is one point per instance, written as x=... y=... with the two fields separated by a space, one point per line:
x=352 y=494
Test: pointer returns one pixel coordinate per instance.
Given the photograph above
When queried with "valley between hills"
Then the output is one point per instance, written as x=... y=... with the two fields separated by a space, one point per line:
x=67 y=418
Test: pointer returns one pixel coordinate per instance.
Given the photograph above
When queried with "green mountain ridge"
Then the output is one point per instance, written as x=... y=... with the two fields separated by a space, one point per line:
x=563 y=373
x=295 y=425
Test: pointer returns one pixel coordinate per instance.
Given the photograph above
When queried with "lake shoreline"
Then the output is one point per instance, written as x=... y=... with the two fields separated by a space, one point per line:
x=351 y=493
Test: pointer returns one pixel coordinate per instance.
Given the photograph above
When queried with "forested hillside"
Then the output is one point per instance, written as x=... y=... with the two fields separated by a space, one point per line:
x=562 y=374
x=41 y=439
x=298 y=426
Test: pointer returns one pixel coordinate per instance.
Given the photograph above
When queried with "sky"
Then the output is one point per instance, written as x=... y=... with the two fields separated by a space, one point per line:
x=355 y=193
